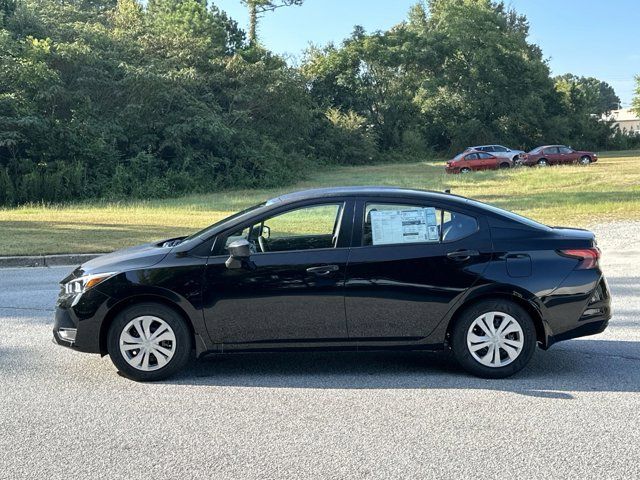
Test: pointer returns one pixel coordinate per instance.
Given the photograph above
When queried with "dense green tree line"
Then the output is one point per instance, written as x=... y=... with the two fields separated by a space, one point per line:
x=106 y=98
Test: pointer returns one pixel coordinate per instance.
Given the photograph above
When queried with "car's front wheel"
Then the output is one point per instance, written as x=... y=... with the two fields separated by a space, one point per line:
x=465 y=170
x=494 y=339
x=149 y=341
x=586 y=160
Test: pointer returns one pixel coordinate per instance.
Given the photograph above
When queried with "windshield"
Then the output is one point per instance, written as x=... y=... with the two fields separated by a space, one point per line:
x=205 y=231
x=510 y=215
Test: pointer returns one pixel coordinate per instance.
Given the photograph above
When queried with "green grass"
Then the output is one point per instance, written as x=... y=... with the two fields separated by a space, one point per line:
x=577 y=196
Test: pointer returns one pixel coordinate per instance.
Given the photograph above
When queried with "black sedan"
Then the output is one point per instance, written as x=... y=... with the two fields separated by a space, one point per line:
x=354 y=268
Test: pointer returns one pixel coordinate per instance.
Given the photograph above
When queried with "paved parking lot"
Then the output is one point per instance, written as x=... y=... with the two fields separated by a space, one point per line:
x=574 y=413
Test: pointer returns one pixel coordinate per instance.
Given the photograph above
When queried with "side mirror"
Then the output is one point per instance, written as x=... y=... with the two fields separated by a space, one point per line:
x=239 y=255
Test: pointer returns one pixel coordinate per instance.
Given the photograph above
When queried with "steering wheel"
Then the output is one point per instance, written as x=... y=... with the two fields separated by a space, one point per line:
x=264 y=246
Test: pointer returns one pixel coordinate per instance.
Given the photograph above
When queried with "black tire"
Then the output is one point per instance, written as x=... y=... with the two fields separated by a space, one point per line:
x=182 y=348
x=515 y=159
x=585 y=160
x=504 y=165
x=465 y=170
x=543 y=162
x=463 y=354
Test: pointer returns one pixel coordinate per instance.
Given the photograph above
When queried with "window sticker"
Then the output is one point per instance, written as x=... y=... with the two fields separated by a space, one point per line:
x=404 y=226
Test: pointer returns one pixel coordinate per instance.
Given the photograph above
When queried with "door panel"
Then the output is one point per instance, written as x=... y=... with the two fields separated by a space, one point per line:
x=552 y=155
x=279 y=300
x=404 y=291
x=296 y=294
x=568 y=155
x=489 y=162
x=473 y=162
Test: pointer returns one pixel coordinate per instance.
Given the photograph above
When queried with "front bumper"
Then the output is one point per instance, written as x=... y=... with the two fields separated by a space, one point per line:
x=65 y=330
x=78 y=326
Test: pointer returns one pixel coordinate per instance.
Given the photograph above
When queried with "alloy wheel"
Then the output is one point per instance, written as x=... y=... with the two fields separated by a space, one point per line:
x=147 y=343
x=585 y=160
x=495 y=339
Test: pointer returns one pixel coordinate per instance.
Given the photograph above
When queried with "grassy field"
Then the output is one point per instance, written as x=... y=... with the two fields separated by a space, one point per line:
x=576 y=196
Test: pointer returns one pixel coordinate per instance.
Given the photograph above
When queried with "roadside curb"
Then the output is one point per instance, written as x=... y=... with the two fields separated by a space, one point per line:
x=47 y=260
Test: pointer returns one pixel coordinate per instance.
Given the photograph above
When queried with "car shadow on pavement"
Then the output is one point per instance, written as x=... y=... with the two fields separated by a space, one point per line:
x=559 y=373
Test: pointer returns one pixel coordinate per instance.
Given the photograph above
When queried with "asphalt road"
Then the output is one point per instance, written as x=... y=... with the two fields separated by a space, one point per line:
x=573 y=413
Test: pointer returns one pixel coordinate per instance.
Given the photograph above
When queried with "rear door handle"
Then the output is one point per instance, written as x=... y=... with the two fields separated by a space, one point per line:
x=323 y=270
x=462 y=255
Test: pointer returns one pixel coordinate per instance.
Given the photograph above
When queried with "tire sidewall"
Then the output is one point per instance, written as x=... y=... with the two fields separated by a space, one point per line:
x=177 y=324
x=459 y=338
x=584 y=160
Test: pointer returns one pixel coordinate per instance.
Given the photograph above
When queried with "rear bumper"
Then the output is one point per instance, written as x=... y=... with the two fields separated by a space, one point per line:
x=591 y=328
x=593 y=314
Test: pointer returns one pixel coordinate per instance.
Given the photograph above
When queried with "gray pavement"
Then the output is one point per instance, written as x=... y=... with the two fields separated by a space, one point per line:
x=573 y=413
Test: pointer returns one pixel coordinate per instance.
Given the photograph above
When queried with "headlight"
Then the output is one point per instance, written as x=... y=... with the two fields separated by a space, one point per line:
x=84 y=283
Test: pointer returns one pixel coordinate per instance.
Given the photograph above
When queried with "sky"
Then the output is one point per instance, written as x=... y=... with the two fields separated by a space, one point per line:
x=585 y=37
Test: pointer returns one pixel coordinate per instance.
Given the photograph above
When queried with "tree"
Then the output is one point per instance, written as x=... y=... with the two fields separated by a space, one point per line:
x=593 y=96
x=258 y=8
x=635 y=103
x=458 y=73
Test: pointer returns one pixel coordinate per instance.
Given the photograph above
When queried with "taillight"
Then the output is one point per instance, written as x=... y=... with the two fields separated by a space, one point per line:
x=588 y=257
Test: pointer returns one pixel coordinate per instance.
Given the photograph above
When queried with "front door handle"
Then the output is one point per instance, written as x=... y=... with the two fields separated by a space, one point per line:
x=324 y=270
x=462 y=255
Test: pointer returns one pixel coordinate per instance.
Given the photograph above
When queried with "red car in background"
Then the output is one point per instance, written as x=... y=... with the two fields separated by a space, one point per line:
x=557 y=155
x=468 y=161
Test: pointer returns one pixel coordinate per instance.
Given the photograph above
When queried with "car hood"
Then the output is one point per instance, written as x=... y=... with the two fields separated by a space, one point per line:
x=140 y=256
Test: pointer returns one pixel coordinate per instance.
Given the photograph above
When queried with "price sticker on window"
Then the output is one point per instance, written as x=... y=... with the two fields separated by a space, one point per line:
x=404 y=226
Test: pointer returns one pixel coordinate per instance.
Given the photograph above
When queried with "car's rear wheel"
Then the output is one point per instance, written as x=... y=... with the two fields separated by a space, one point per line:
x=543 y=162
x=586 y=160
x=149 y=341
x=494 y=339
x=465 y=170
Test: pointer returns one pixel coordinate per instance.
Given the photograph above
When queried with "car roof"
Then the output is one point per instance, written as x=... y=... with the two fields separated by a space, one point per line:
x=369 y=191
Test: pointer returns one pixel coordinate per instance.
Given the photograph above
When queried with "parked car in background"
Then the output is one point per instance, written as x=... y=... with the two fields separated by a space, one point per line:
x=499 y=151
x=468 y=161
x=557 y=155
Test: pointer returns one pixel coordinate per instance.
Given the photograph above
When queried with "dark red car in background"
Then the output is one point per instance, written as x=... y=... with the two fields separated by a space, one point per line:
x=474 y=160
x=557 y=155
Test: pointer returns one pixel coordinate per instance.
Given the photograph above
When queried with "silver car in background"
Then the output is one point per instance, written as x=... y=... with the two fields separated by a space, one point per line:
x=500 y=151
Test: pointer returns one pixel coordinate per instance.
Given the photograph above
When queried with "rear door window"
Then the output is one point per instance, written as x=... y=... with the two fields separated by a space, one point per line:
x=398 y=224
